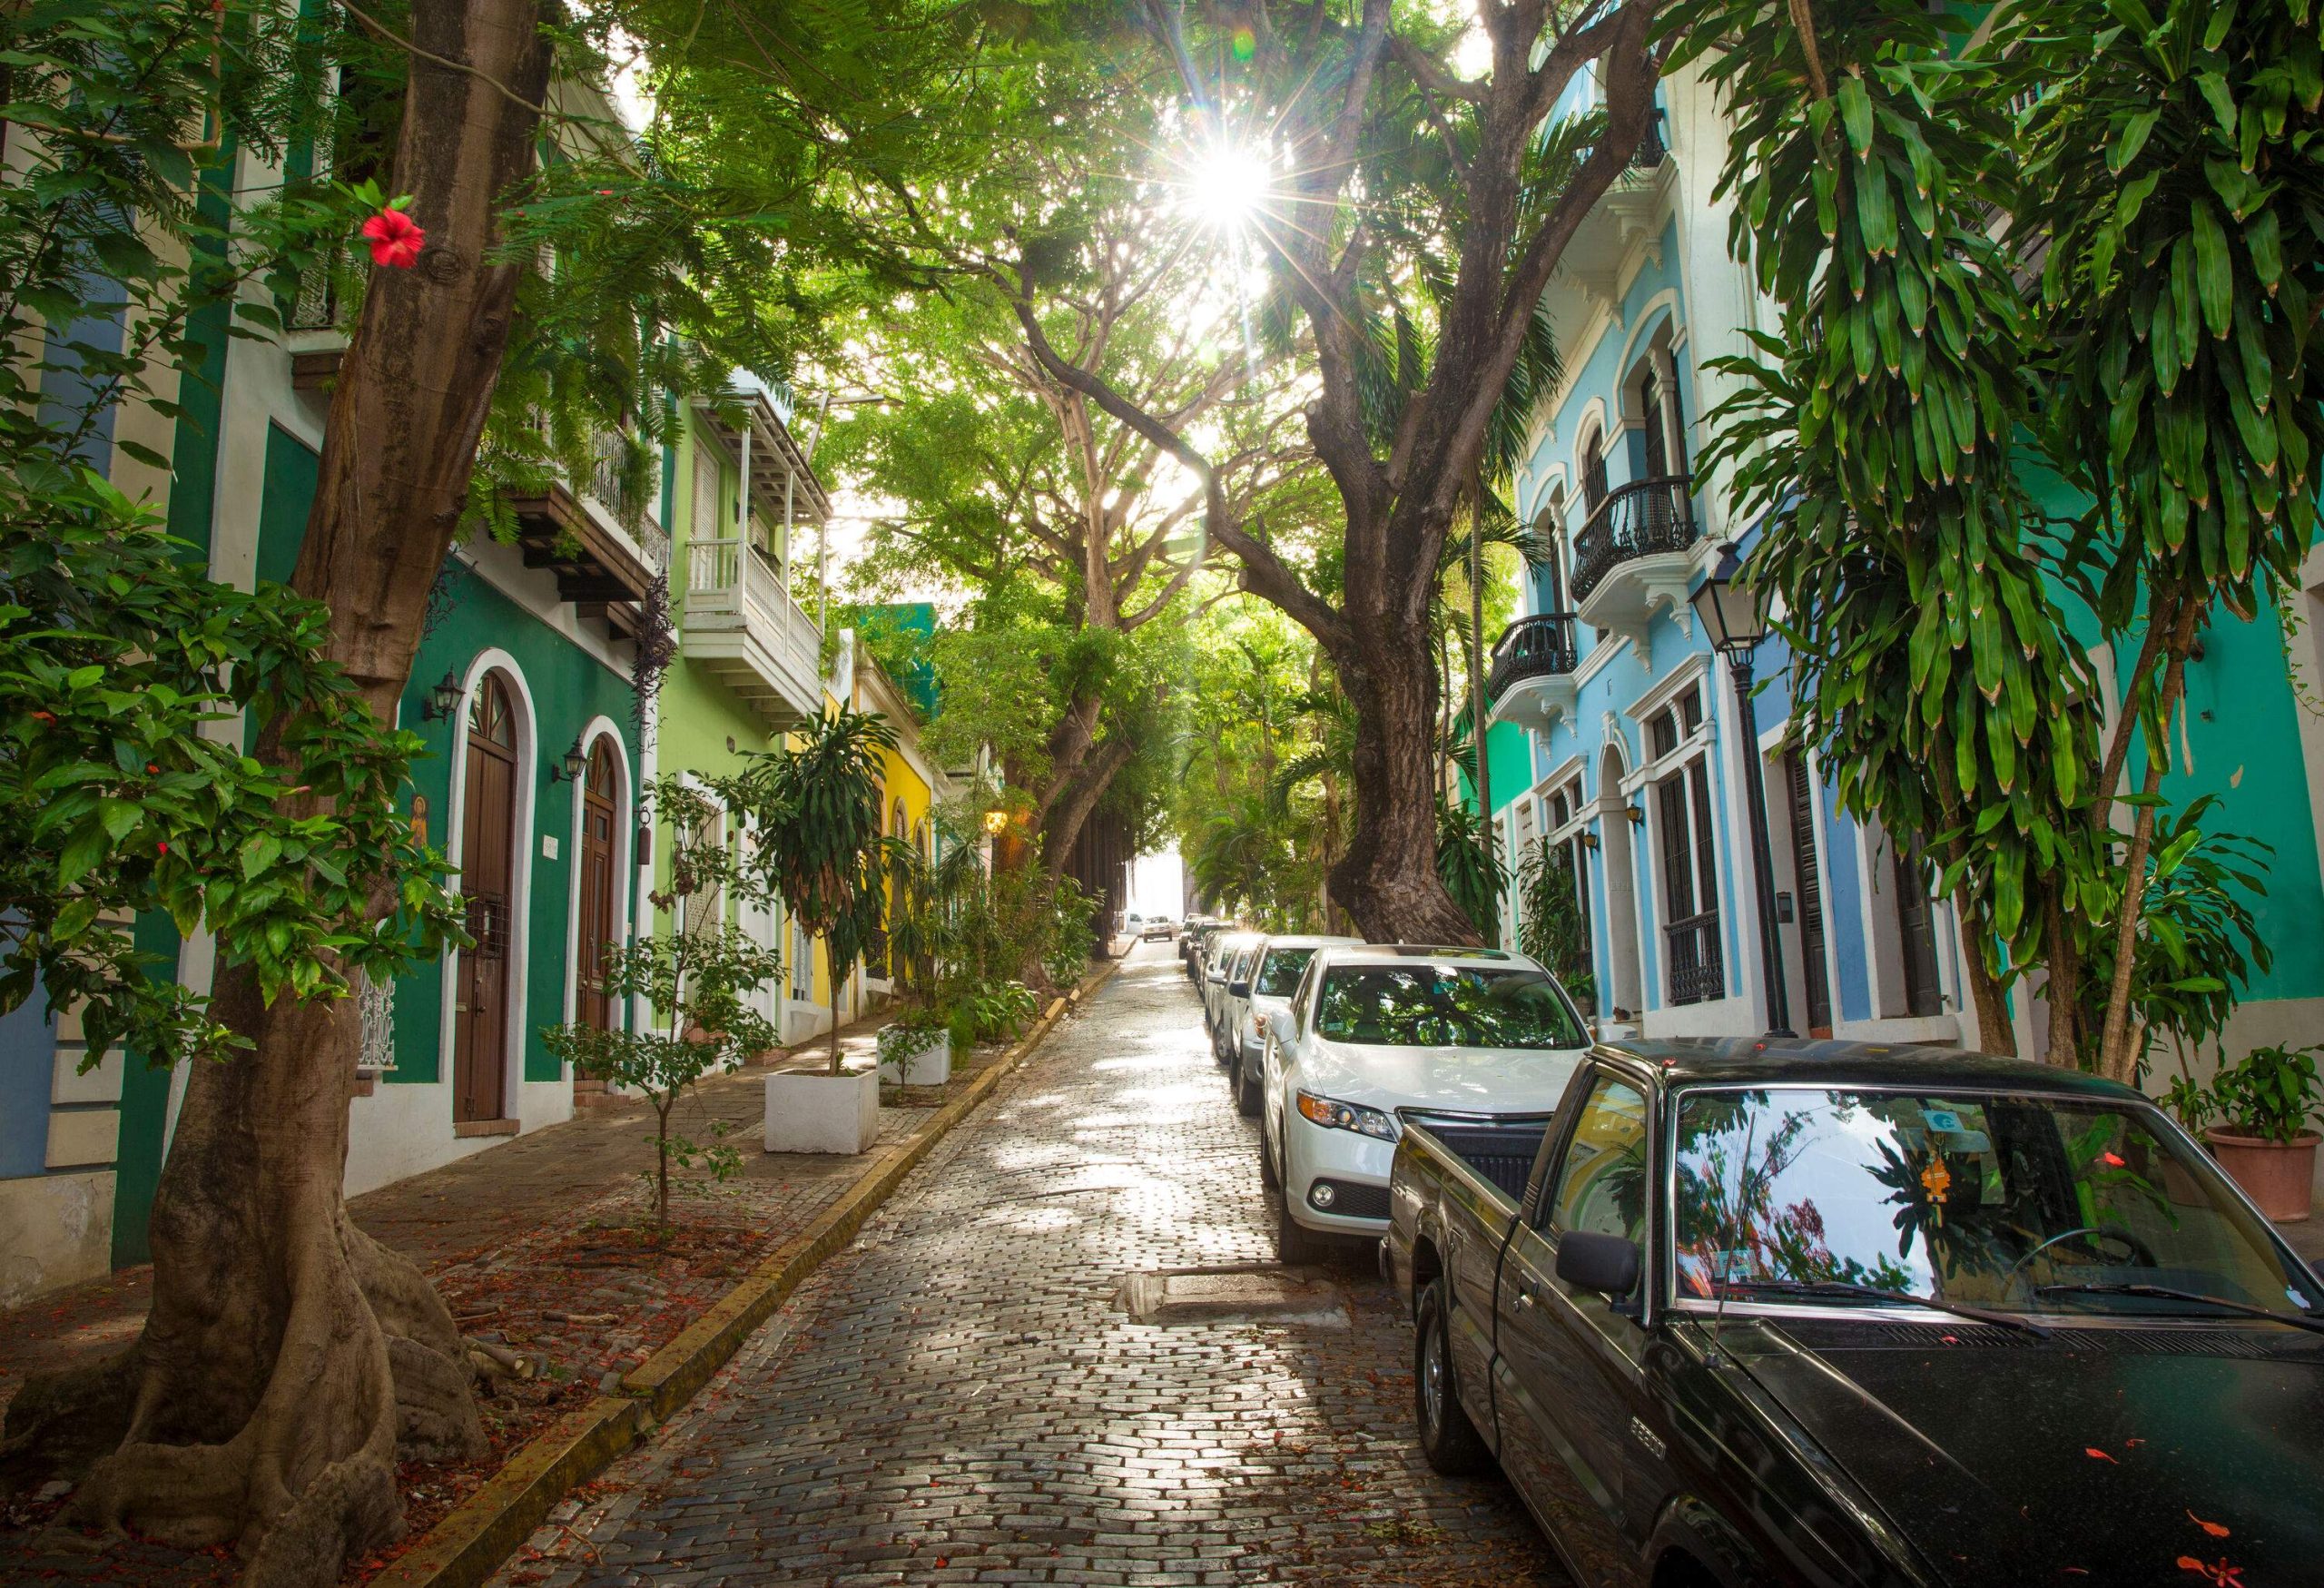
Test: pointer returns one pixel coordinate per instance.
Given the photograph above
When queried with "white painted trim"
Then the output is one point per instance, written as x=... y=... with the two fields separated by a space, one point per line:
x=624 y=819
x=1644 y=324
x=520 y=877
x=1593 y=420
x=2304 y=654
x=1656 y=695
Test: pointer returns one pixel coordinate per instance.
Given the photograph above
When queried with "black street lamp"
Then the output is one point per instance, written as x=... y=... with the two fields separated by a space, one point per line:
x=1735 y=619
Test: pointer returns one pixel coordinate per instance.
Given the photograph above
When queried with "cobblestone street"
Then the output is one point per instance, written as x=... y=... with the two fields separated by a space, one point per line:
x=959 y=1398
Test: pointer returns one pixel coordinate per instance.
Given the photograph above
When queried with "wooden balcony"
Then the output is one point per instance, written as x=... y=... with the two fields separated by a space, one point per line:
x=604 y=547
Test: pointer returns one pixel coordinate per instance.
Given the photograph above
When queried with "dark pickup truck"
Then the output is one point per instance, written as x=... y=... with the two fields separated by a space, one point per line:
x=1747 y=1313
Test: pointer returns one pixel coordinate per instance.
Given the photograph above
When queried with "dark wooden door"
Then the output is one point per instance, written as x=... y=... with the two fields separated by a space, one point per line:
x=592 y=1007
x=487 y=850
x=1916 y=934
x=1808 y=884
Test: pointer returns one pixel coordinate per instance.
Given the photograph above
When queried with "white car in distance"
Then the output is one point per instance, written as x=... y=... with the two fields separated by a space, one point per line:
x=1264 y=987
x=1443 y=1032
x=1217 y=960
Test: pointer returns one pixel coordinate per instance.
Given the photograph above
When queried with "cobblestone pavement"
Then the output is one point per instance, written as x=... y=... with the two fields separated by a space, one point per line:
x=957 y=1398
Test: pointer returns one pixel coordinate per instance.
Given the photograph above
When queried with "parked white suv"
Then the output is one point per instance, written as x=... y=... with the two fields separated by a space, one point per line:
x=1263 y=989
x=1439 y=1032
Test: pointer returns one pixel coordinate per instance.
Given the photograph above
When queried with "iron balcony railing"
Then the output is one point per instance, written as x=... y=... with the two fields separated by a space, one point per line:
x=1698 y=972
x=1531 y=647
x=1635 y=520
x=1651 y=149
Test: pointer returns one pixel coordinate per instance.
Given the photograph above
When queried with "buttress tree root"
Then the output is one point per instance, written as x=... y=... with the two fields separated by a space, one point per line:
x=290 y=1360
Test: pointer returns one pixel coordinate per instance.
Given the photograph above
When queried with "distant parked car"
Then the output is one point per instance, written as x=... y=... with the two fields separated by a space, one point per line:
x=1188 y=932
x=1264 y=988
x=1750 y=1312
x=1238 y=975
x=1218 y=958
x=1377 y=1029
x=1158 y=929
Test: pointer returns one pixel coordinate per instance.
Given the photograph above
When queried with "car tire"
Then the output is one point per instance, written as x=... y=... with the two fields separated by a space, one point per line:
x=1447 y=1438
x=1268 y=1176
x=1247 y=1090
x=1295 y=1243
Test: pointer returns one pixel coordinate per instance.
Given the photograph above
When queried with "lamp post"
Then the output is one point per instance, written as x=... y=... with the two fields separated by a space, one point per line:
x=1736 y=620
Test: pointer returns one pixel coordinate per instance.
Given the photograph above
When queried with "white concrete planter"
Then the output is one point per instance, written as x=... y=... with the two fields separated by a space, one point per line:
x=929 y=1066
x=811 y=1113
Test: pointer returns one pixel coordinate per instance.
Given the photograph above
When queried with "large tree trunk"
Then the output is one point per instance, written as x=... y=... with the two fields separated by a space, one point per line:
x=1388 y=878
x=289 y=1359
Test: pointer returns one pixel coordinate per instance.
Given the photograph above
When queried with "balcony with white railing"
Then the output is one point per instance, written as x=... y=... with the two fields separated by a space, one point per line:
x=742 y=626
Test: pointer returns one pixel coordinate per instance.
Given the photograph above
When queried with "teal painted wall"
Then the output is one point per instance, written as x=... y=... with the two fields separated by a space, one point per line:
x=2241 y=742
x=569 y=688
x=194 y=492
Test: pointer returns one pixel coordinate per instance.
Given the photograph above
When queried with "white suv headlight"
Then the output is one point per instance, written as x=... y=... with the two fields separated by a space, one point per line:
x=1334 y=1115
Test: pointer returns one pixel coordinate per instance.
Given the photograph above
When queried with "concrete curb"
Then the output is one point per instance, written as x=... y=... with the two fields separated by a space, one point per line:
x=470 y=1543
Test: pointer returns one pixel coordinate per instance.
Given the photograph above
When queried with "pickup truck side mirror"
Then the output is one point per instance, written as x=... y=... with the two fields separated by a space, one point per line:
x=1280 y=1027
x=1606 y=1264
x=1238 y=989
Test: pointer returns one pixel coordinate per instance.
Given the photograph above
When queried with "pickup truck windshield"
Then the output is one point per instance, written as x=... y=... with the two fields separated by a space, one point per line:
x=1444 y=1006
x=2029 y=1203
x=1280 y=972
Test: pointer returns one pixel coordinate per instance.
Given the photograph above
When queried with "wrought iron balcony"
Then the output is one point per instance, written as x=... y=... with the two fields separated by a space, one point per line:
x=1651 y=149
x=1531 y=648
x=1642 y=519
x=1531 y=682
x=1697 y=968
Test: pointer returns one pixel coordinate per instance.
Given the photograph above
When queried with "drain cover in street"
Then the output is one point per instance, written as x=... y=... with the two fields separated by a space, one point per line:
x=1174 y=1295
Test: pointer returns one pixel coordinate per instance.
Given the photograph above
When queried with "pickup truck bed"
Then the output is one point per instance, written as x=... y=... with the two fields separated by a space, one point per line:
x=1500 y=1151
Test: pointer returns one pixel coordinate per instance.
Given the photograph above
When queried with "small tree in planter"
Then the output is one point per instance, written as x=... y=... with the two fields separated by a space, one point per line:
x=2265 y=1142
x=821 y=843
x=821 y=849
x=697 y=981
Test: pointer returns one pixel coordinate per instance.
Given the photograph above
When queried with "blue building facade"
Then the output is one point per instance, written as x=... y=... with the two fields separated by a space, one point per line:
x=1634 y=735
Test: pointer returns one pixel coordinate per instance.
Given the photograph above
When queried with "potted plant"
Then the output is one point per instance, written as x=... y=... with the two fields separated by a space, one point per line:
x=916 y=1050
x=821 y=848
x=2264 y=1141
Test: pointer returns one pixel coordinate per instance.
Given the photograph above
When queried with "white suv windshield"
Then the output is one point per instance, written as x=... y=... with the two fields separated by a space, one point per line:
x=1444 y=1006
x=1279 y=972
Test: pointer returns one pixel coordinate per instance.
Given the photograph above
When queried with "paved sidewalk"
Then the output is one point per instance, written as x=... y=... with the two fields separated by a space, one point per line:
x=539 y=1247
x=958 y=1398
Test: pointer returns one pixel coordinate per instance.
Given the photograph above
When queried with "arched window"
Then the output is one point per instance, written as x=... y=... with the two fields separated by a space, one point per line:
x=1551 y=527
x=1590 y=462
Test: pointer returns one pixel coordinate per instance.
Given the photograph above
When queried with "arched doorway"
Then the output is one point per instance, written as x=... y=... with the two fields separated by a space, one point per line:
x=600 y=819
x=487 y=857
x=1620 y=999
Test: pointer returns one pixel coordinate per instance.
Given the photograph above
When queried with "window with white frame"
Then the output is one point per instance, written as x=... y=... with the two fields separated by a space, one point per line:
x=1694 y=967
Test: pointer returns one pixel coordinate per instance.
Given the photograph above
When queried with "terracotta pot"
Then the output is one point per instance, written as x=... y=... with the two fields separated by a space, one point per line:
x=2280 y=1176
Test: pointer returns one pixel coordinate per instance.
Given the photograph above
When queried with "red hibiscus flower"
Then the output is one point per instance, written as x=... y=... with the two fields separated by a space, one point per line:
x=396 y=239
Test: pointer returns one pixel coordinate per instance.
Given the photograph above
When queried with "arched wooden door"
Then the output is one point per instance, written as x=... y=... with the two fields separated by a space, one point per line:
x=599 y=817
x=487 y=856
